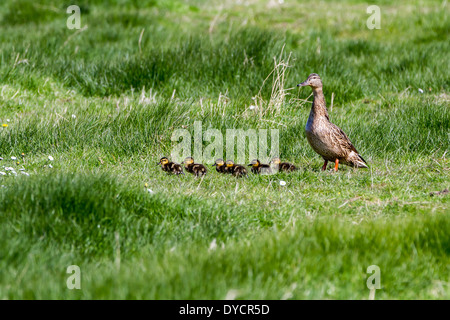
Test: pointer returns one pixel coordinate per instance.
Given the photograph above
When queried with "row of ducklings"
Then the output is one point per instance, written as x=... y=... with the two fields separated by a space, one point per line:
x=229 y=167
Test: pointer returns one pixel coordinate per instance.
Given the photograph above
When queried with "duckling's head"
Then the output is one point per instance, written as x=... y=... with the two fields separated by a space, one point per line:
x=255 y=163
x=229 y=163
x=313 y=81
x=275 y=160
x=163 y=161
x=188 y=160
x=219 y=163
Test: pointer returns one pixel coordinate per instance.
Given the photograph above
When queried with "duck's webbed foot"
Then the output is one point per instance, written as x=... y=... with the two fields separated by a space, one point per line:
x=336 y=164
x=324 y=167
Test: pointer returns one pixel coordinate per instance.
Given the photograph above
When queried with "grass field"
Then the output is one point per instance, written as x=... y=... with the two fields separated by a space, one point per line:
x=103 y=102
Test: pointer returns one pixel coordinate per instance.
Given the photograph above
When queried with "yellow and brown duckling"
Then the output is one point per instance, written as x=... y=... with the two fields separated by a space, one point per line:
x=220 y=166
x=240 y=171
x=170 y=167
x=327 y=139
x=260 y=168
x=197 y=169
x=282 y=166
x=236 y=170
x=229 y=167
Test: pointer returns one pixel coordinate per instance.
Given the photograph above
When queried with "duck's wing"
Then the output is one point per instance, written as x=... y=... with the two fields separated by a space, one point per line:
x=341 y=138
x=344 y=142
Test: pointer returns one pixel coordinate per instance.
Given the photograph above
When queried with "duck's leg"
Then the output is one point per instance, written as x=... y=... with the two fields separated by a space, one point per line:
x=324 y=167
x=336 y=165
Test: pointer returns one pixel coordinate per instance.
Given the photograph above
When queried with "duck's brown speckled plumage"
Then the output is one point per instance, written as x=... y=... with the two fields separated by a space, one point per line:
x=327 y=139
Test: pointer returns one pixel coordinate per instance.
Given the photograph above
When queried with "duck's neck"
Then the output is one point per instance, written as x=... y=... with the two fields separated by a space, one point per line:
x=319 y=108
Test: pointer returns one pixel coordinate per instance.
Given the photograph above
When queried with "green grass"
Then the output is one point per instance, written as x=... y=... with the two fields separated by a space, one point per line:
x=105 y=109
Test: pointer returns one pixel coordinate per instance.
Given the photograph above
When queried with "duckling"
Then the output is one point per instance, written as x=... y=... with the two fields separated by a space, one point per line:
x=327 y=139
x=229 y=167
x=259 y=168
x=196 y=169
x=170 y=167
x=220 y=166
x=239 y=171
x=236 y=170
x=282 y=166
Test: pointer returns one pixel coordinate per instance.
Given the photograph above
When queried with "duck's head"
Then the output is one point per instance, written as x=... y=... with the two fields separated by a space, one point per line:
x=275 y=160
x=254 y=163
x=219 y=163
x=163 y=161
x=188 y=160
x=313 y=81
x=229 y=163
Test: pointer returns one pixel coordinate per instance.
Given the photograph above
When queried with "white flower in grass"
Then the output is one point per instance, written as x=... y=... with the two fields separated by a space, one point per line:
x=252 y=107
x=150 y=191
x=50 y=166
x=232 y=294
x=25 y=173
x=7 y=120
x=13 y=158
x=420 y=90
x=282 y=183
x=1 y=158
x=9 y=169
x=50 y=158
x=213 y=245
x=2 y=173
x=74 y=116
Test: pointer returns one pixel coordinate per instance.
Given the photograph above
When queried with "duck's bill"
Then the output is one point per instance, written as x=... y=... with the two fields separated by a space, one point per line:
x=303 y=84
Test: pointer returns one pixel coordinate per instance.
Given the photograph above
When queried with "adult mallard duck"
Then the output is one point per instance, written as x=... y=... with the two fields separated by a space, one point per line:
x=260 y=168
x=170 y=167
x=282 y=166
x=327 y=139
x=196 y=169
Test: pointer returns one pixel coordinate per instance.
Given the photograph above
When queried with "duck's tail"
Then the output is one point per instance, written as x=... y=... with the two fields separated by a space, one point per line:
x=359 y=162
x=354 y=159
